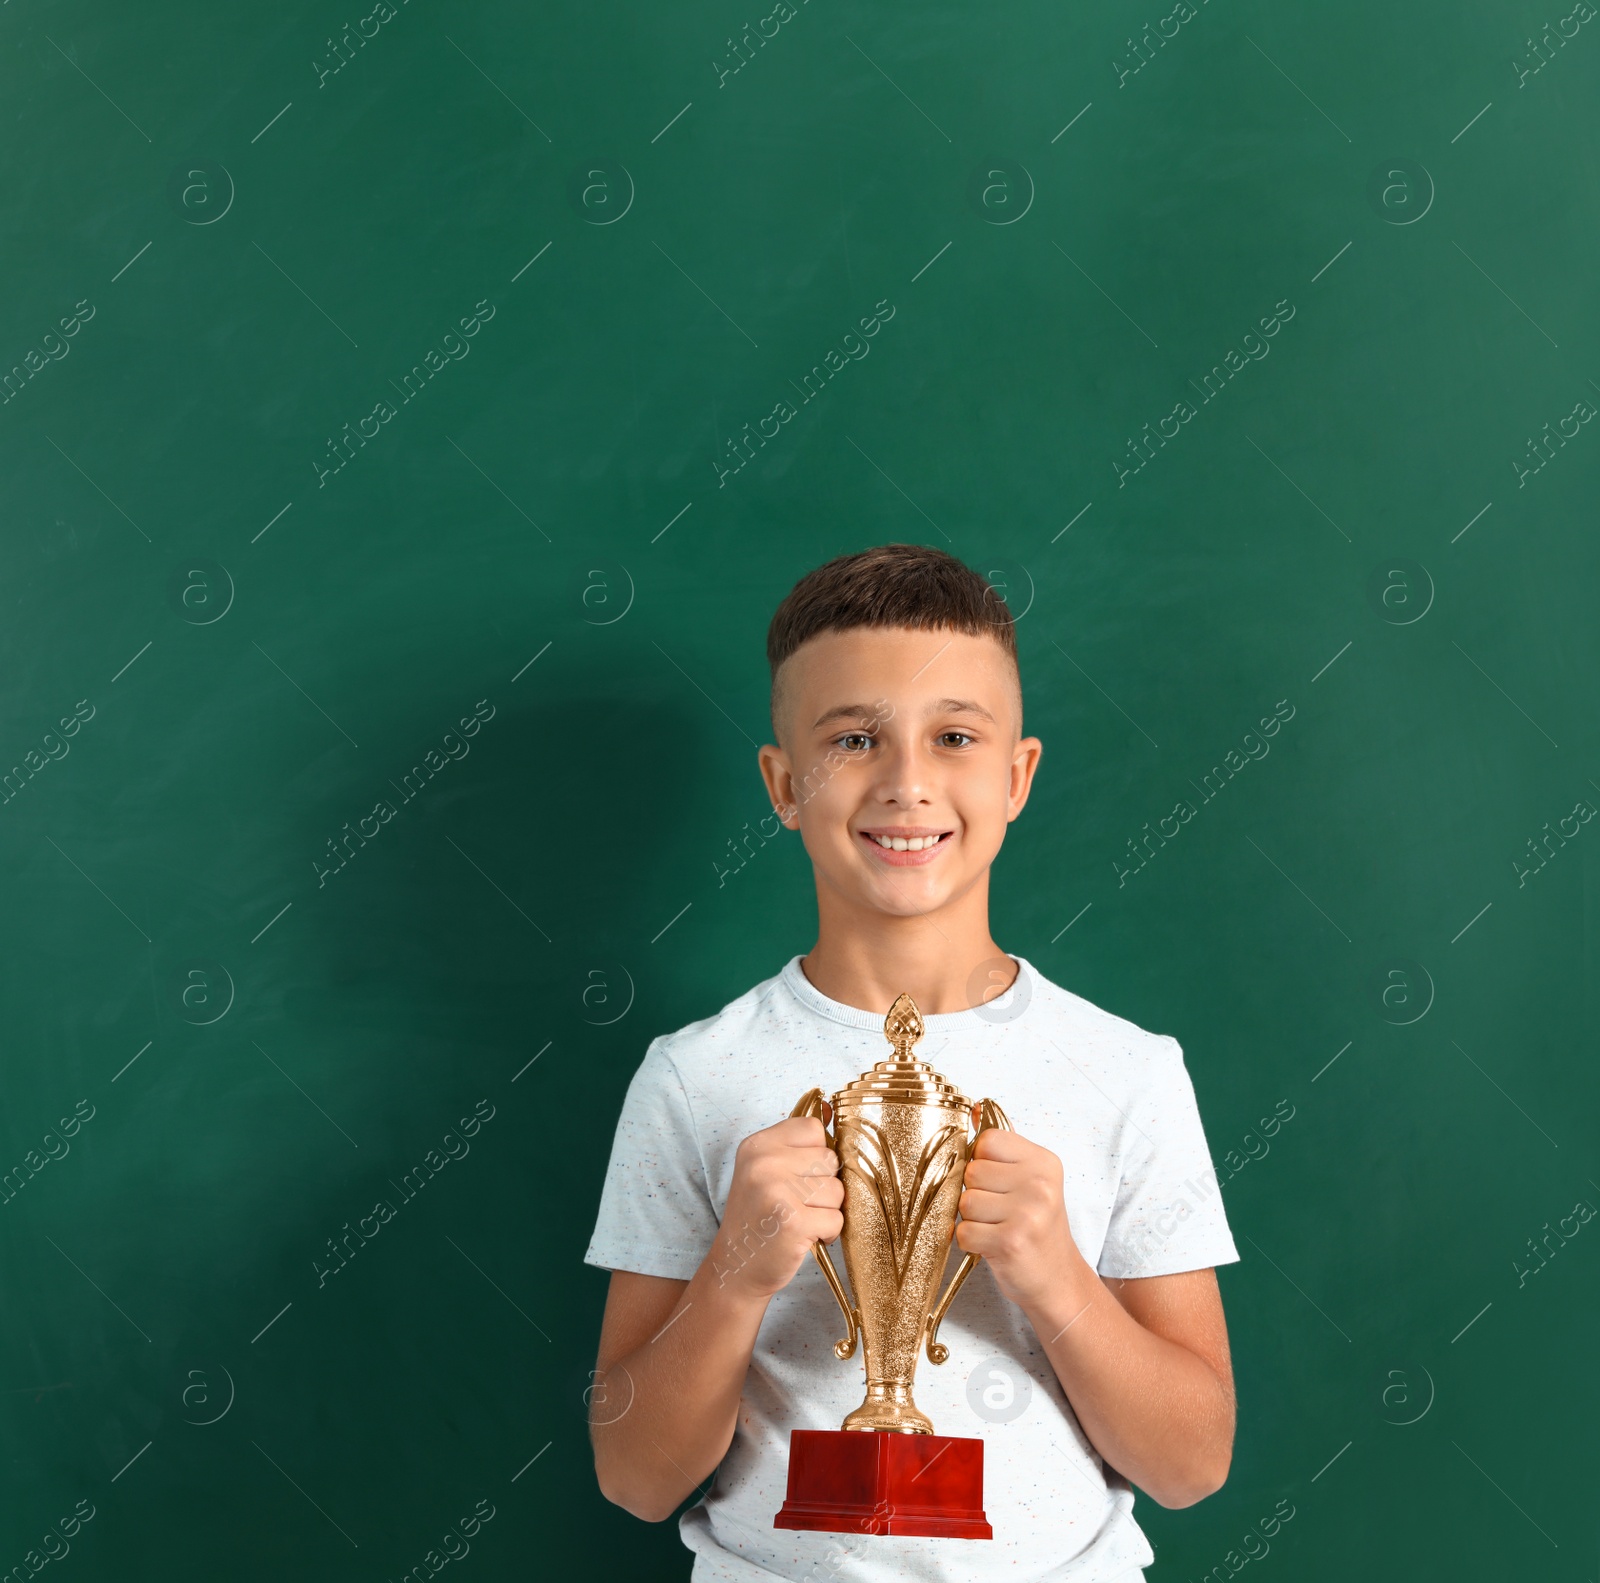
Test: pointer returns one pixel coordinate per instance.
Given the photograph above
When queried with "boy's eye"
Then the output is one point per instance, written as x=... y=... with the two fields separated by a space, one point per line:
x=953 y=739
x=854 y=742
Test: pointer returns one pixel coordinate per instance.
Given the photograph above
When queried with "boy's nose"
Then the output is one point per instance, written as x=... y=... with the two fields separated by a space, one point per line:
x=902 y=778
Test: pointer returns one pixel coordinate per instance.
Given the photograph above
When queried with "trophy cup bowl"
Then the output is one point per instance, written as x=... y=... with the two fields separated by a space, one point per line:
x=901 y=1133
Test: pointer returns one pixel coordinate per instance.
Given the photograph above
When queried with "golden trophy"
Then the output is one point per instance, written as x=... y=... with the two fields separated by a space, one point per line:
x=901 y=1134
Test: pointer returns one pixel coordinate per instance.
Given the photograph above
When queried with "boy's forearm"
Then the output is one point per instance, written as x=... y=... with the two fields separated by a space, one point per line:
x=675 y=1400
x=1155 y=1411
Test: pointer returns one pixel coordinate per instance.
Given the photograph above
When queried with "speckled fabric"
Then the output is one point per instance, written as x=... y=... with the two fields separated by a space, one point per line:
x=1113 y=1102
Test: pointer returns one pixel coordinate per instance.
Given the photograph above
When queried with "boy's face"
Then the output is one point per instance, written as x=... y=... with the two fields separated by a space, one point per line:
x=890 y=739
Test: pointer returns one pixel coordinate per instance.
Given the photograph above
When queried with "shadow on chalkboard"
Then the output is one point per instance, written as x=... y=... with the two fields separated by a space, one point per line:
x=511 y=877
x=425 y=985
x=483 y=929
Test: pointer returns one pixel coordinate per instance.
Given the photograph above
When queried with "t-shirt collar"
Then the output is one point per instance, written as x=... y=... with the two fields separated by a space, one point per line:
x=1003 y=1009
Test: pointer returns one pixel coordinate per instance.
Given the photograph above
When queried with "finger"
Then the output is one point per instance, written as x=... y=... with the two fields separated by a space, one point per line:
x=973 y=1236
x=814 y=1187
x=814 y=1162
x=986 y=1208
x=804 y=1132
x=828 y=1228
x=823 y=1192
x=995 y=1143
x=993 y=1176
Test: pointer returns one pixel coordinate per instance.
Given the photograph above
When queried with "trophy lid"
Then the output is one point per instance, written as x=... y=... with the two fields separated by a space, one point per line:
x=902 y=1079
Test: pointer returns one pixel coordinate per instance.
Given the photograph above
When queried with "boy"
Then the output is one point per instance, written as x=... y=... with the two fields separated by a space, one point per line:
x=1088 y=1348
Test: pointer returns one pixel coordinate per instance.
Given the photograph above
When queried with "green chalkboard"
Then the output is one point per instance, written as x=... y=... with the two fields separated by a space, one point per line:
x=410 y=418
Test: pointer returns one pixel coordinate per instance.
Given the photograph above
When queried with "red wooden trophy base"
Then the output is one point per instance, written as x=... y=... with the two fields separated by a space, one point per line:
x=868 y=1482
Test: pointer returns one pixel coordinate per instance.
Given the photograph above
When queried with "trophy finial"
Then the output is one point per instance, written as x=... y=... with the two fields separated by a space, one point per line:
x=903 y=1026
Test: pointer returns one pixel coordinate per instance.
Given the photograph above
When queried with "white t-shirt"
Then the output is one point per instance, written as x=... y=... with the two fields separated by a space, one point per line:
x=1113 y=1102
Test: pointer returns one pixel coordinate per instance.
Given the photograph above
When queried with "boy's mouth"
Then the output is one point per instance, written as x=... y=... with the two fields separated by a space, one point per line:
x=905 y=846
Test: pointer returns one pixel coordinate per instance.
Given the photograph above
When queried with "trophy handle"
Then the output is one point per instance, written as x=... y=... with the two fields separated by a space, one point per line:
x=810 y=1104
x=989 y=1115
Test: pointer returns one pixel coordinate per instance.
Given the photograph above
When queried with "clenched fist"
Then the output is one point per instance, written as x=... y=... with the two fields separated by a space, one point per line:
x=1014 y=1214
x=786 y=1194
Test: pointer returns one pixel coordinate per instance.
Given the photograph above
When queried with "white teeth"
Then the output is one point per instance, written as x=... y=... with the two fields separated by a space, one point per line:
x=897 y=843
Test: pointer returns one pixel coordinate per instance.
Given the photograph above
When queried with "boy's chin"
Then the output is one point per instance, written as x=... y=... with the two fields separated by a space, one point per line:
x=906 y=893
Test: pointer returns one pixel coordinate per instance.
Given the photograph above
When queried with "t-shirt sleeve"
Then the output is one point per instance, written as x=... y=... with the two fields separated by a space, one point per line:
x=1168 y=1215
x=656 y=1216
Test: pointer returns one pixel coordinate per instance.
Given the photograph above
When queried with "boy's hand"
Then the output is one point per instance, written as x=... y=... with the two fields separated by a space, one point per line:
x=786 y=1194
x=1013 y=1214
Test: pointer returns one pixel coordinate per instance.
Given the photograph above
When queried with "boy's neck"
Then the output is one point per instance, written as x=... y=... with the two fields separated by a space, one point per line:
x=946 y=961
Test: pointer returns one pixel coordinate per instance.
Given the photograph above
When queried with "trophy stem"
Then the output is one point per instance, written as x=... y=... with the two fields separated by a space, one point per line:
x=889 y=1408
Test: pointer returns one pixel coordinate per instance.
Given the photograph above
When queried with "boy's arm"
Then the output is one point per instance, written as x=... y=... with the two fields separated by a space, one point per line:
x=1144 y=1362
x=674 y=1354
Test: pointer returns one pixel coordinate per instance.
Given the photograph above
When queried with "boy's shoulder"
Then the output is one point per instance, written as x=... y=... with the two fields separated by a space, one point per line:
x=724 y=1030
x=1129 y=1063
x=1095 y=1021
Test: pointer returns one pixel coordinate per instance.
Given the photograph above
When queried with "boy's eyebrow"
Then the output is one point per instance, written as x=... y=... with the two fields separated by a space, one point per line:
x=846 y=712
x=962 y=706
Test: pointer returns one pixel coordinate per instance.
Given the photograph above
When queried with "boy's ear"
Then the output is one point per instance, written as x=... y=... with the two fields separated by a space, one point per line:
x=779 y=778
x=1024 y=761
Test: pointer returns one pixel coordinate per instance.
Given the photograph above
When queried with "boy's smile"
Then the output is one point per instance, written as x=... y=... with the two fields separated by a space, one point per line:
x=901 y=764
x=904 y=846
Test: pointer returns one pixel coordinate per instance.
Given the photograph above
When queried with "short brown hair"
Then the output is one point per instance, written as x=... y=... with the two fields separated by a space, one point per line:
x=894 y=585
